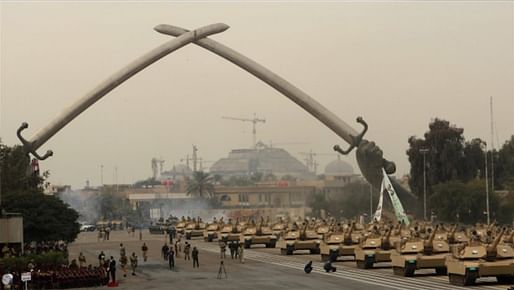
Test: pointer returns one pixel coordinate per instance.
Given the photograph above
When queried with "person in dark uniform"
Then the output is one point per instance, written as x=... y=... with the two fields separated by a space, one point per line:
x=195 y=257
x=112 y=269
x=171 y=258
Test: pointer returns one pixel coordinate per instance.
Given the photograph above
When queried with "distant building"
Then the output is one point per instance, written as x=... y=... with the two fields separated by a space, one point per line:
x=265 y=160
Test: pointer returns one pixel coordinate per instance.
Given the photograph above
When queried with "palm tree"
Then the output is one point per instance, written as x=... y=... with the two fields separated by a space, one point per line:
x=201 y=185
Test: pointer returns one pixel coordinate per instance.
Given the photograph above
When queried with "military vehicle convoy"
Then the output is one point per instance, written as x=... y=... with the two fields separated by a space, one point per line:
x=418 y=253
x=475 y=260
x=260 y=233
x=374 y=248
x=300 y=239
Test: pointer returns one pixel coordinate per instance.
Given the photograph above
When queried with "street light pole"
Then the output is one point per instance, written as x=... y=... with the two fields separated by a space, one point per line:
x=486 y=187
x=424 y=152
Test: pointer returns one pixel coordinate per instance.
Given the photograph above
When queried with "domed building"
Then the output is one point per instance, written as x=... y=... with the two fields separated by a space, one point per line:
x=338 y=167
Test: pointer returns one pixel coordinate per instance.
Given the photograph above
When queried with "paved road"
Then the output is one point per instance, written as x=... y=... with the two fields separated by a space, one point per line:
x=263 y=269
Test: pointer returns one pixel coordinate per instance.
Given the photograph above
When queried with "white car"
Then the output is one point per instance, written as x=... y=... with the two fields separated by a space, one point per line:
x=87 y=228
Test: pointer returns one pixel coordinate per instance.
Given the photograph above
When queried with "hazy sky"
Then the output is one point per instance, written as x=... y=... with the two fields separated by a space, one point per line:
x=396 y=64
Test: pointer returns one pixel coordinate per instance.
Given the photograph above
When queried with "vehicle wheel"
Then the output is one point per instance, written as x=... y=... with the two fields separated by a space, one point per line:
x=248 y=244
x=398 y=271
x=441 y=271
x=360 y=264
x=272 y=244
x=289 y=250
x=188 y=236
x=368 y=262
x=462 y=280
x=409 y=270
x=315 y=251
x=209 y=239
x=505 y=279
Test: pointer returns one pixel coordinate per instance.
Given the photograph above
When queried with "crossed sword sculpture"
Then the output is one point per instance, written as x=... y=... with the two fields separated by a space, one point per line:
x=199 y=37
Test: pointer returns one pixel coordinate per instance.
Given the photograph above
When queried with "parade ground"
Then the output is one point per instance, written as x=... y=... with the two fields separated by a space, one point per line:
x=262 y=269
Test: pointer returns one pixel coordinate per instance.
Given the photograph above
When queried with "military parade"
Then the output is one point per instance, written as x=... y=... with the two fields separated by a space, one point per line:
x=355 y=178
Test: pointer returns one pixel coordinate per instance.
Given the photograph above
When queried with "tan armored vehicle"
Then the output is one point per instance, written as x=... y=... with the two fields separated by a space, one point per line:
x=230 y=232
x=457 y=237
x=417 y=253
x=374 y=248
x=195 y=229
x=476 y=260
x=180 y=227
x=260 y=233
x=300 y=239
x=340 y=244
x=211 y=231
x=279 y=228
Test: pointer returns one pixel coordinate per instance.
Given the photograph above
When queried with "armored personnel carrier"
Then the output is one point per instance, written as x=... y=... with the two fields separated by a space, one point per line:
x=417 y=253
x=260 y=233
x=195 y=229
x=374 y=248
x=476 y=260
x=300 y=239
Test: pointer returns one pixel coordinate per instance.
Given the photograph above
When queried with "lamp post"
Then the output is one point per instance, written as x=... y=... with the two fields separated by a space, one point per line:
x=424 y=152
x=486 y=185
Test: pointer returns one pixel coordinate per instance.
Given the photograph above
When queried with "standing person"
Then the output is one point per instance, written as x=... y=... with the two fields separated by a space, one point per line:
x=187 y=249
x=171 y=258
x=122 y=250
x=82 y=260
x=133 y=263
x=176 y=249
x=236 y=250
x=164 y=251
x=123 y=265
x=195 y=257
x=223 y=249
x=112 y=270
x=232 y=248
x=101 y=258
x=107 y=232
x=99 y=237
x=144 y=249
x=241 y=252
x=170 y=235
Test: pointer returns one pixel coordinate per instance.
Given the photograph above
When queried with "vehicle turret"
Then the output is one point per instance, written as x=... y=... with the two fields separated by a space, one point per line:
x=491 y=248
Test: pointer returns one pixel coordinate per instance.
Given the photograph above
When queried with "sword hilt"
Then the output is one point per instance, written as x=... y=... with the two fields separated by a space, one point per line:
x=356 y=140
x=28 y=146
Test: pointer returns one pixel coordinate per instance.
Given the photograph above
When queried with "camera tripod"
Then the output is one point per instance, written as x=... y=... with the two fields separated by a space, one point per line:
x=222 y=271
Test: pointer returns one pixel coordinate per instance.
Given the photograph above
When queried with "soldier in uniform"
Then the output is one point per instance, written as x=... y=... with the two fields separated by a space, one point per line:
x=164 y=251
x=144 y=249
x=195 y=257
x=187 y=249
x=133 y=263
x=122 y=250
x=123 y=265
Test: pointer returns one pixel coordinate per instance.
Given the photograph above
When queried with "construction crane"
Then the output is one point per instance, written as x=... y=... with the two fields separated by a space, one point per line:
x=157 y=165
x=310 y=159
x=254 y=121
x=194 y=158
